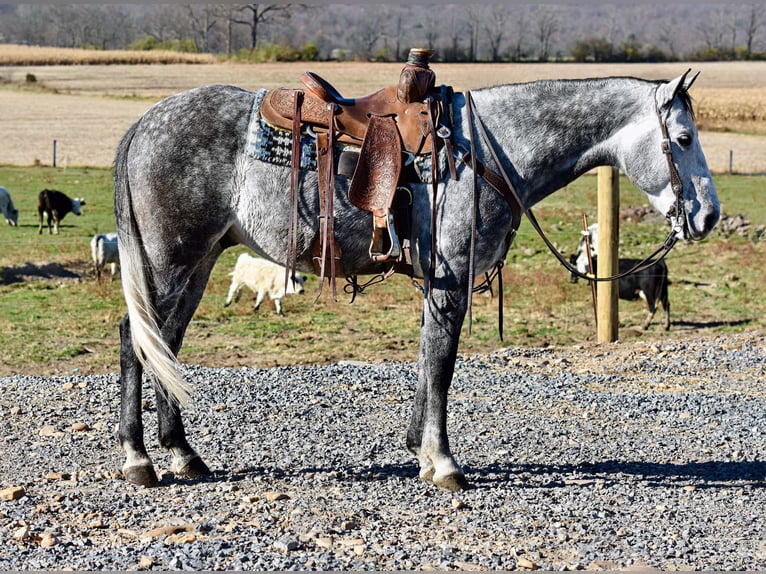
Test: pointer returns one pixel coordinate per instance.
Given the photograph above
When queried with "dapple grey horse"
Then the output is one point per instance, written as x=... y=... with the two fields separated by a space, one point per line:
x=185 y=190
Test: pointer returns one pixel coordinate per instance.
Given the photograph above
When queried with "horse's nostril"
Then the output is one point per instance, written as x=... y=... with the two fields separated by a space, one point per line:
x=711 y=219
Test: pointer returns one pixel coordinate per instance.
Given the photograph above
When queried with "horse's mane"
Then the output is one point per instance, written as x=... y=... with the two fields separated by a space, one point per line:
x=683 y=94
x=686 y=99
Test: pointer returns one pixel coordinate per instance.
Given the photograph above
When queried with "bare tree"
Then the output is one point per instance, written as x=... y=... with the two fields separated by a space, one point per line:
x=433 y=24
x=456 y=33
x=495 y=27
x=547 y=27
x=667 y=36
x=754 y=21
x=473 y=17
x=203 y=19
x=260 y=14
x=517 y=50
x=367 y=33
x=713 y=31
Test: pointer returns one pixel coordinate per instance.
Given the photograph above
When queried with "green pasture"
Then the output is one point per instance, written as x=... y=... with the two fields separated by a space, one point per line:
x=52 y=322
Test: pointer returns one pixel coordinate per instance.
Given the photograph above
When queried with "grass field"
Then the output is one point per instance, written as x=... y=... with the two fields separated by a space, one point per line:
x=55 y=317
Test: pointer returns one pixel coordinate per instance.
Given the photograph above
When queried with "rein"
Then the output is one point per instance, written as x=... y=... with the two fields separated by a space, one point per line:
x=512 y=196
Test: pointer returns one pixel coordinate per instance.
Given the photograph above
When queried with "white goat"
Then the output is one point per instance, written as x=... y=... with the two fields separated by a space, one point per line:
x=104 y=249
x=264 y=278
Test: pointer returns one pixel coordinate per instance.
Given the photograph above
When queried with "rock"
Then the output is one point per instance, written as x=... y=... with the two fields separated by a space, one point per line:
x=145 y=563
x=54 y=476
x=167 y=530
x=526 y=564
x=458 y=504
x=469 y=566
x=324 y=542
x=21 y=533
x=603 y=565
x=286 y=545
x=50 y=430
x=12 y=493
x=181 y=538
x=48 y=540
x=273 y=496
x=80 y=427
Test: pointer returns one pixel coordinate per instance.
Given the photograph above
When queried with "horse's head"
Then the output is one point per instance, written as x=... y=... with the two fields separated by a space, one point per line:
x=667 y=162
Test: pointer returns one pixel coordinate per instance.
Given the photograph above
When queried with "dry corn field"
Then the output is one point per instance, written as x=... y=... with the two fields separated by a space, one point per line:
x=86 y=108
x=47 y=56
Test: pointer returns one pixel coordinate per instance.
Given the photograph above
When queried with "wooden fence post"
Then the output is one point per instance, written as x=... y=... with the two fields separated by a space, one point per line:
x=608 y=236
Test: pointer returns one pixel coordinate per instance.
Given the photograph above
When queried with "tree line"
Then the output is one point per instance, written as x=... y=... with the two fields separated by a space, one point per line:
x=587 y=31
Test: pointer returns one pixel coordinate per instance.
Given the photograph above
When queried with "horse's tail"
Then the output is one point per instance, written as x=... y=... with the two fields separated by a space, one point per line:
x=149 y=346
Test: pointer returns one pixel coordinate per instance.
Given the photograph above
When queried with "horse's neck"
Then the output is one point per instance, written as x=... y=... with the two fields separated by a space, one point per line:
x=554 y=131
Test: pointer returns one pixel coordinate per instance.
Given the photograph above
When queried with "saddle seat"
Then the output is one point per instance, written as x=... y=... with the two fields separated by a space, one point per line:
x=351 y=116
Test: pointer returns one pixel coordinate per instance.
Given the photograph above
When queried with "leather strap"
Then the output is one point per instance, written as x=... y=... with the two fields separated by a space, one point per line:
x=327 y=249
x=434 y=192
x=292 y=226
x=474 y=211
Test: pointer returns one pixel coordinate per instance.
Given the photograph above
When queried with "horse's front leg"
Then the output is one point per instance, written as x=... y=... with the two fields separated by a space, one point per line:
x=443 y=316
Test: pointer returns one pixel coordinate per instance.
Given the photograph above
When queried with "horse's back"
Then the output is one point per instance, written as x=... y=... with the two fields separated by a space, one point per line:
x=211 y=120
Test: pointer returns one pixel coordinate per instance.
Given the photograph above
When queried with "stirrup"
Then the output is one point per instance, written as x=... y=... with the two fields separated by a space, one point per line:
x=377 y=243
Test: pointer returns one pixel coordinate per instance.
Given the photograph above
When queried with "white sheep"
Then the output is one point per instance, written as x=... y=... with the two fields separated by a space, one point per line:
x=264 y=278
x=104 y=249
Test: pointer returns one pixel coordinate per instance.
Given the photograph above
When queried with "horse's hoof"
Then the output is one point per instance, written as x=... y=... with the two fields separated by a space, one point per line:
x=142 y=475
x=454 y=481
x=193 y=468
x=427 y=474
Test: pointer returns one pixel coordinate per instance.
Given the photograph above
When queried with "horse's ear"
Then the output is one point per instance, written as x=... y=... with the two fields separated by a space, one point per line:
x=689 y=83
x=667 y=92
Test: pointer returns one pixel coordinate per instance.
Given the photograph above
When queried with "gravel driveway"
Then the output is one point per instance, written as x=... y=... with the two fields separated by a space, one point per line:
x=647 y=455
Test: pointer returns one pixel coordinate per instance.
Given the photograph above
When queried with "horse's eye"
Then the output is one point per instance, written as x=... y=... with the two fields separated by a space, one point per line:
x=685 y=140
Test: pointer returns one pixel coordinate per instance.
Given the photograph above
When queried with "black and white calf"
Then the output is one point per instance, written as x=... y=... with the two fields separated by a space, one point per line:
x=55 y=205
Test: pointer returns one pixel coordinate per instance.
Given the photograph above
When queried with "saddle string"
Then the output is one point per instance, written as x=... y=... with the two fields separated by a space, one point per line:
x=475 y=208
x=354 y=288
x=434 y=192
x=326 y=179
x=661 y=252
x=292 y=226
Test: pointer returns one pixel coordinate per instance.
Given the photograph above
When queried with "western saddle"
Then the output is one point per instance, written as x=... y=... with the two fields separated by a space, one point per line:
x=392 y=129
x=389 y=127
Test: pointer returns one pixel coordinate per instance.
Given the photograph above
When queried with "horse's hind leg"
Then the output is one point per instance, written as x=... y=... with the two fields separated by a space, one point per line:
x=138 y=467
x=172 y=436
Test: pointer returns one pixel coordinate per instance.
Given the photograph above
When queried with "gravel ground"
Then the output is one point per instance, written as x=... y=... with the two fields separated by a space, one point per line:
x=641 y=456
